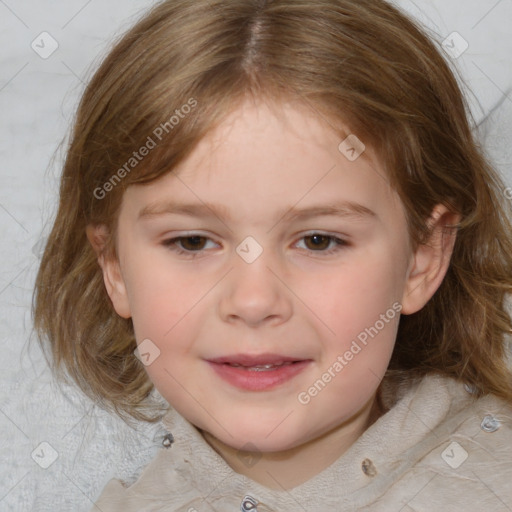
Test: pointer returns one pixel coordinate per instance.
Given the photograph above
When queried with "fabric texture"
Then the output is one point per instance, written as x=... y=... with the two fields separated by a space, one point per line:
x=438 y=447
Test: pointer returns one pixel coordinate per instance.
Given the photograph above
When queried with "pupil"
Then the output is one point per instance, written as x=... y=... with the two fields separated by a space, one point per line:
x=317 y=240
x=195 y=240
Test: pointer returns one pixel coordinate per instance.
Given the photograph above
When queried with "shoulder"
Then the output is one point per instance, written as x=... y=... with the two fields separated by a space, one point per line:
x=169 y=480
x=464 y=460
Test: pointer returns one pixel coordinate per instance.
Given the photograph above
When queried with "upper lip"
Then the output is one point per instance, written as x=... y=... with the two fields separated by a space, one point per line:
x=254 y=360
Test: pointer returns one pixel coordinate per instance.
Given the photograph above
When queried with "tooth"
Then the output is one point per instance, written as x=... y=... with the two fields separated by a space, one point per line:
x=261 y=367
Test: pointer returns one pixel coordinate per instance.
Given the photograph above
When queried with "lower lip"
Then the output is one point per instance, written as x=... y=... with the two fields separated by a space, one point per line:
x=253 y=380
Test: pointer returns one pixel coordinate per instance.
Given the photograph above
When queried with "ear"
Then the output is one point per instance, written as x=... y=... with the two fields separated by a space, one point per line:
x=431 y=260
x=112 y=277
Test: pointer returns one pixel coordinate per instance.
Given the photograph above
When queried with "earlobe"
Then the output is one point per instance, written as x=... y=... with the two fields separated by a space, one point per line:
x=115 y=285
x=112 y=277
x=430 y=261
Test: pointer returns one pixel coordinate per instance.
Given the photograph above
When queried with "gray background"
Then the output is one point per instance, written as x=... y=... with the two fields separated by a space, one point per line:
x=37 y=101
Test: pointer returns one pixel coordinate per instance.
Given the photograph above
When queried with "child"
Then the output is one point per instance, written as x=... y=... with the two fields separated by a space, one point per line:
x=275 y=213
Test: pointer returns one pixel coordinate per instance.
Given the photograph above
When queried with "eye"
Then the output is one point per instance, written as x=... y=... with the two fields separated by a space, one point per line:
x=189 y=245
x=193 y=245
x=319 y=242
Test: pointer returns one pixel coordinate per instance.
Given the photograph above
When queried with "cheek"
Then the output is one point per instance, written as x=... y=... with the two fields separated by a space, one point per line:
x=166 y=311
x=160 y=297
x=167 y=307
x=360 y=309
x=353 y=298
x=356 y=358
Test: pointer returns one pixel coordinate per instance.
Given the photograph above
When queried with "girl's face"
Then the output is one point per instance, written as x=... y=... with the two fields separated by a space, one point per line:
x=264 y=277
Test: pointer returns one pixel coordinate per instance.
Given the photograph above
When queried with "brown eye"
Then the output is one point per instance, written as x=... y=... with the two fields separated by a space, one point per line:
x=189 y=247
x=191 y=243
x=318 y=242
x=322 y=244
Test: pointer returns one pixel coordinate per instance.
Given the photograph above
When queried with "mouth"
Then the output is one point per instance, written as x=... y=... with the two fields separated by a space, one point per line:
x=261 y=367
x=258 y=373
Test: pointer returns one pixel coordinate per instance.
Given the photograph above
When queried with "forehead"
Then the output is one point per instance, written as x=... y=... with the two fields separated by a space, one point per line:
x=264 y=158
x=266 y=130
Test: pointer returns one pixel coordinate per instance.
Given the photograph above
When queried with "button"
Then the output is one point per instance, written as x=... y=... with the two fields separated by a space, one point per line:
x=490 y=424
x=168 y=440
x=471 y=388
x=248 y=503
x=368 y=467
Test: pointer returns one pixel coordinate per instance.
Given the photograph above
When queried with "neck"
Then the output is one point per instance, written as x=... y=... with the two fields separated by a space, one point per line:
x=287 y=469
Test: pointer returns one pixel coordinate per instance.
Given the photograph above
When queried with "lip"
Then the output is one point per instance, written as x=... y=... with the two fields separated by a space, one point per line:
x=253 y=360
x=248 y=378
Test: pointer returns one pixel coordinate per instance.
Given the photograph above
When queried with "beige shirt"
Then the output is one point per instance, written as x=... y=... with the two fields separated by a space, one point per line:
x=437 y=448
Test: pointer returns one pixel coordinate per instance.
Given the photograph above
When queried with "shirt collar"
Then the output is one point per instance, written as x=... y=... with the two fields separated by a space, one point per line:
x=384 y=451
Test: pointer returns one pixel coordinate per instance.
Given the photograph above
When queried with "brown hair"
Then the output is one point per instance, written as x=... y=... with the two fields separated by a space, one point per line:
x=361 y=62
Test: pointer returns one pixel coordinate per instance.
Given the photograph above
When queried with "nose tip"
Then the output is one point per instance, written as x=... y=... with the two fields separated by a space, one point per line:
x=253 y=293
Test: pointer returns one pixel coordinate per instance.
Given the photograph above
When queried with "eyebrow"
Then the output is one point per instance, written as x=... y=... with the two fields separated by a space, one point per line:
x=344 y=209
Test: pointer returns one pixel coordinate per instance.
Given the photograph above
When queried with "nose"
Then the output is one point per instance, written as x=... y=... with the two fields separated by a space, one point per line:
x=255 y=293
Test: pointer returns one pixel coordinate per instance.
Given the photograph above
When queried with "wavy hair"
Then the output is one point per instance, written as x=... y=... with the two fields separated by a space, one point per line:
x=362 y=63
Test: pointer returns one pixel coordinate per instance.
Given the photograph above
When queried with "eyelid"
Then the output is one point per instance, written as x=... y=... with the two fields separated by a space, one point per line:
x=339 y=240
x=169 y=240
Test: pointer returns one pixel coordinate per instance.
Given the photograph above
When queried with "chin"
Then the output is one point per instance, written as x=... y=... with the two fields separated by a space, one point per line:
x=260 y=438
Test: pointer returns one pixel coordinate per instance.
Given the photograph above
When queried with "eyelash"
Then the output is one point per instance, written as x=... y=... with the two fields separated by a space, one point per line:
x=171 y=244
